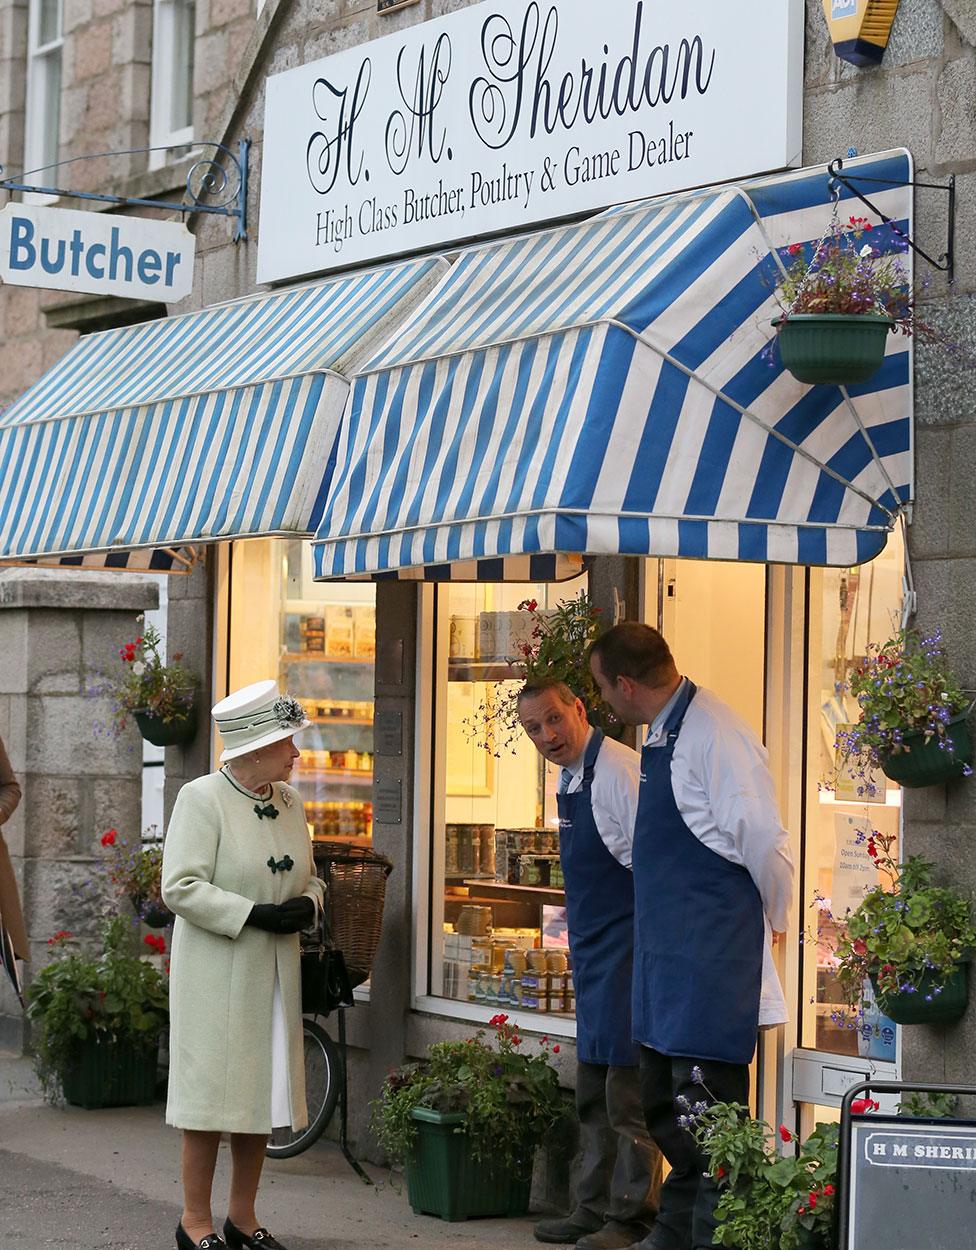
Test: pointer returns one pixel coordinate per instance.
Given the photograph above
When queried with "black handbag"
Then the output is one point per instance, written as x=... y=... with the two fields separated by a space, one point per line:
x=325 y=980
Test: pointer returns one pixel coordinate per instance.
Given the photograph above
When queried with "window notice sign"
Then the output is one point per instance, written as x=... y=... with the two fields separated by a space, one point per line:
x=912 y=1184
x=514 y=112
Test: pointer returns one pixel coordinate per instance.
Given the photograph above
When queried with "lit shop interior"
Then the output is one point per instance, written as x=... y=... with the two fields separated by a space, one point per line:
x=496 y=918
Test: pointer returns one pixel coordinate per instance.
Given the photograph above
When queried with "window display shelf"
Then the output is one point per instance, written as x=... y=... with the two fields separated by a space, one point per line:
x=478 y=670
x=339 y=720
x=319 y=657
x=361 y=778
x=516 y=893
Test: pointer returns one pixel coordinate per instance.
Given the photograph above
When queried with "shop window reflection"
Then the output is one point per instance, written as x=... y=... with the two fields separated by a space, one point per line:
x=498 y=907
x=850 y=608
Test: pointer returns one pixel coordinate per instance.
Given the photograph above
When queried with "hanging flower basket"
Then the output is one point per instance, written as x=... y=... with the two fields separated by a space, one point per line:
x=922 y=1005
x=155 y=915
x=176 y=731
x=930 y=763
x=837 y=348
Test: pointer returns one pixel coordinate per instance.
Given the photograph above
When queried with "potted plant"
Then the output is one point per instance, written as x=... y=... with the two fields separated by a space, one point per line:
x=911 y=938
x=96 y=1019
x=913 y=714
x=558 y=645
x=839 y=302
x=467 y=1120
x=769 y=1201
x=161 y=698
x=136 y=873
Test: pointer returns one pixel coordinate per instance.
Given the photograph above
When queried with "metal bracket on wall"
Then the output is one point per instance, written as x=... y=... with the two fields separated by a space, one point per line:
x=207 y=177
x=946 y=261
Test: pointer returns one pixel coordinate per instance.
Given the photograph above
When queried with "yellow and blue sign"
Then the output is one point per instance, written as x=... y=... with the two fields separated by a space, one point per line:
x=860 y=28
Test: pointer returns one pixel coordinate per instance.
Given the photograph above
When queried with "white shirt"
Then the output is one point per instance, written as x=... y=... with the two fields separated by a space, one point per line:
x=613 y=795
x=724 y=791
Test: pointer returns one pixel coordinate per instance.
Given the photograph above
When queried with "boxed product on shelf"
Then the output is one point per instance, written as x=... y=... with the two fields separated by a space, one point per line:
x=364 y=633
x=463 y=638
x=339 y=632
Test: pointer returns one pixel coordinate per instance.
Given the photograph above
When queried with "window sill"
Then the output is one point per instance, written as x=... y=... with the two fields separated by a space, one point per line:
x=480 y=1013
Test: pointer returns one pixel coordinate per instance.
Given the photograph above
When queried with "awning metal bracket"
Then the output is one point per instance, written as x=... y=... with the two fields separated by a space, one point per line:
x=223 y=174
x=946 y=262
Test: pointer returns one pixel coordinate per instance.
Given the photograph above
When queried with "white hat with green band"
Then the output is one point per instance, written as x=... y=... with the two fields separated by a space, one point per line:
x=256 y=716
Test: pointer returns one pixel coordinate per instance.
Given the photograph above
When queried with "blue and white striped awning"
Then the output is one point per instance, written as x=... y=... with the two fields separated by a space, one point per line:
x=607 y=387
x=215 y=424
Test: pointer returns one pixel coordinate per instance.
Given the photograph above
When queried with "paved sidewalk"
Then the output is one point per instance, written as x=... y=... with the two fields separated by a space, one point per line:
x=75 y=1180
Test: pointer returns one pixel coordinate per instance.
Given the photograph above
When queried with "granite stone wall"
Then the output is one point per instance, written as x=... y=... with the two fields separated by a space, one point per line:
x=58 y=633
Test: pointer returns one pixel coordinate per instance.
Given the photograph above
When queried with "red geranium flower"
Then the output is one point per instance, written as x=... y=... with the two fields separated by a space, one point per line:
x=62 y=935
x=784 y=1133
x=109 y=836
x=861 y=1106
x=555 y=1049
x=811 y=1200
x=828 y=1191
x=719 y=1173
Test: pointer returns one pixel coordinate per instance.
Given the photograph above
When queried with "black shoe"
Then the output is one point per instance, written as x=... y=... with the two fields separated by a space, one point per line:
x=614 y=1235
x=565 y=1230
x=185 y=1242
x=260 y=1239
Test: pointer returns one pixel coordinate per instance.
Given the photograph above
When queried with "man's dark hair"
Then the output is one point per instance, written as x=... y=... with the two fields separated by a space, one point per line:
x=539 y=685
x=633 y=650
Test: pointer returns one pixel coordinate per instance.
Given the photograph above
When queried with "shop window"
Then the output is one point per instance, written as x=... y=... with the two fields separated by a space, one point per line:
x=497 y=904
x=319 y=640
x=849 y=608
x=171 y=107
x=43 y=120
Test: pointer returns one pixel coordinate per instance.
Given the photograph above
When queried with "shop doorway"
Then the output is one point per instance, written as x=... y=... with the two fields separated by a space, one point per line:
x=777 y=643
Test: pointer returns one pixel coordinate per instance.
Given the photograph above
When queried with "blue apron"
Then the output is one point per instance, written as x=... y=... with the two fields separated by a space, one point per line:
x=699 y=928
x=600 y=912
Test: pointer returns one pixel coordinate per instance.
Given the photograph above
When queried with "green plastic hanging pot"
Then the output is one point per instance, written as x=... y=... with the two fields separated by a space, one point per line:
x=837 y=348
x=926 y=763
x=167 y=733
x=947 y=1006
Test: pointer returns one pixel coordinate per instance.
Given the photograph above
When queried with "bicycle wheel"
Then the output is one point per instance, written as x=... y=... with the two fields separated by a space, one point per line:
x=321 y=1092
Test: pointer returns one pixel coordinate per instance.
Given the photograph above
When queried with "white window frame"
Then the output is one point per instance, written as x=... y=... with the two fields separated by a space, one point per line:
x=40 y=58
x=164 y=53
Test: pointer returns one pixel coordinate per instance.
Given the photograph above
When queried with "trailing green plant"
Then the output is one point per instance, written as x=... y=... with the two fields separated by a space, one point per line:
x=904 y=930
x=930 y=1106
x=769 y=1201
x=109 y=995
x=146 y=683
x=509 y=1097
x=903 y=688
x=560 y=639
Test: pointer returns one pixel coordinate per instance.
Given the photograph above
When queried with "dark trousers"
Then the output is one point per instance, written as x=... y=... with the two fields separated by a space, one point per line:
x=620 y=1173
x=686 y=1220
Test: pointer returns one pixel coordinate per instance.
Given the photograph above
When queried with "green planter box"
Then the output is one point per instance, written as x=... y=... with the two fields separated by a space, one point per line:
x=945 y=1008
x=837 y=348
x=444 y=1179
x=925 y=763
x=111 y=1074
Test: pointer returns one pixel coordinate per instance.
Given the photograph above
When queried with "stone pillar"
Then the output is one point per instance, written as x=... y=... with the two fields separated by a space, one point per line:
x=189 y=634
x=58 y=632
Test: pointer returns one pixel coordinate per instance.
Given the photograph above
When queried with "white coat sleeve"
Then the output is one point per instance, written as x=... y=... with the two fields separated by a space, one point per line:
x=739 y=785
x=189 y=859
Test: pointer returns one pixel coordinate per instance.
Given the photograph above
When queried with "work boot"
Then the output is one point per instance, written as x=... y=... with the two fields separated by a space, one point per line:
x=565 y=1230
x=614 y=1235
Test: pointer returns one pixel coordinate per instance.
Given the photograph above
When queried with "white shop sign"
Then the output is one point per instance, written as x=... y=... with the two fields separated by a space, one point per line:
x=98 y=252
x=510 y=113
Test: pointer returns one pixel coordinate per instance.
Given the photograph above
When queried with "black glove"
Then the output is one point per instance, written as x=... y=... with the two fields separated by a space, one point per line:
x=266 y=916
x=296 y=913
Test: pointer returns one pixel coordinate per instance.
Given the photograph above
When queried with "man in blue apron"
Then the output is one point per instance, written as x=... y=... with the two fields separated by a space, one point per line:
x=713 y=880
x=598 y=784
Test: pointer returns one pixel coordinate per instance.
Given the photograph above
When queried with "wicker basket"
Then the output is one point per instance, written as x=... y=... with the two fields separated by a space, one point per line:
x=355 y=879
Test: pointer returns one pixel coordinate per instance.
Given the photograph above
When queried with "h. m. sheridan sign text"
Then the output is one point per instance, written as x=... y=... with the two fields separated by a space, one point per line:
x=514 y=112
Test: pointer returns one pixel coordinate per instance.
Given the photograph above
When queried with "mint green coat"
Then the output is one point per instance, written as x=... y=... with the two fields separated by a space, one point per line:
x=222 y=974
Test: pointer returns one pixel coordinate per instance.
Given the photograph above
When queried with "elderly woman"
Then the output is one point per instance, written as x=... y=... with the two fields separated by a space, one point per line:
x=11 y=917
x=239 y=874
